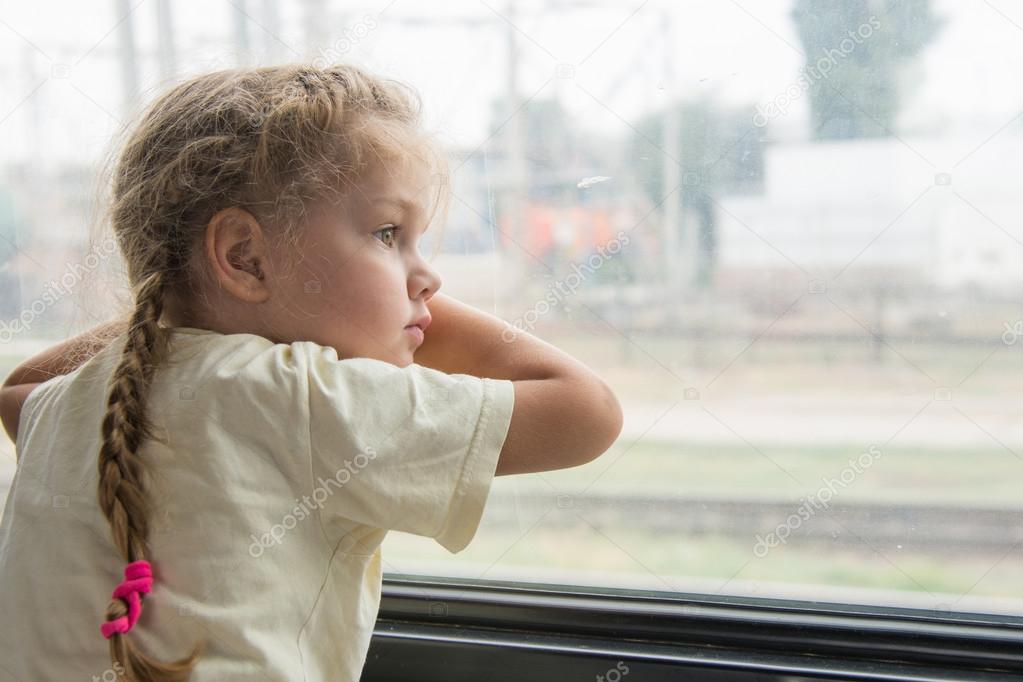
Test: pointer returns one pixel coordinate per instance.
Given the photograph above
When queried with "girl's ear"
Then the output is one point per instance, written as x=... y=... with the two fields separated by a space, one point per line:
x=236 y=250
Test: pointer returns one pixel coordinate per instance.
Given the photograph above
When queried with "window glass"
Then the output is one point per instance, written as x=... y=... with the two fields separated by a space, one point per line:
x=786 y=233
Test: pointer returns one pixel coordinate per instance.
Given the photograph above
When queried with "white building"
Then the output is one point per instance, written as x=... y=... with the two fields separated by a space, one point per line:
x=947 y=211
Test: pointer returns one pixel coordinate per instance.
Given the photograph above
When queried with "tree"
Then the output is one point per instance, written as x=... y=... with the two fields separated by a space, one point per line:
x=856 y=52
x=721 y=152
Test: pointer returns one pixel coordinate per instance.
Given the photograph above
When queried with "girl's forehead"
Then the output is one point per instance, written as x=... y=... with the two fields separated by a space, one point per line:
x=404 y=189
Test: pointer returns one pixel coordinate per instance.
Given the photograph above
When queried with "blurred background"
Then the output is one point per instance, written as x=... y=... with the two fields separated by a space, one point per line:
x=788 y=234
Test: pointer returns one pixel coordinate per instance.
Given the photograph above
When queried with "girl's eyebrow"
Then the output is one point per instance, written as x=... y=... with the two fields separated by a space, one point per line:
x=403 y=204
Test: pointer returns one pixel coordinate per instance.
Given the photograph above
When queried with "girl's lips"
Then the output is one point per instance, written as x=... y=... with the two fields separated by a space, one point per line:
x=416 y=333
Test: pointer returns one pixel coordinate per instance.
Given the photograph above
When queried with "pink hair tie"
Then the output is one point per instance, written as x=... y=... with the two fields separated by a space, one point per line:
x=138 y=578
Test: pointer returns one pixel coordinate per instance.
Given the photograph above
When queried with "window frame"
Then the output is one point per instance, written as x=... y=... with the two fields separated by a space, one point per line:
x=439 y=628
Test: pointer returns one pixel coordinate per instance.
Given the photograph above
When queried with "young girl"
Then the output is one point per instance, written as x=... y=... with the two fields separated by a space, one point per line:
x=233 y=451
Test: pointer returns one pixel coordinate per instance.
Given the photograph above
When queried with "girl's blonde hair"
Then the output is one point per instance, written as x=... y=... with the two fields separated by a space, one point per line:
x=271 y=140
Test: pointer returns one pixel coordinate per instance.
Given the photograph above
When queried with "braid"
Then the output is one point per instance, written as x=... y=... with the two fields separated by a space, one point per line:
x=122 y=490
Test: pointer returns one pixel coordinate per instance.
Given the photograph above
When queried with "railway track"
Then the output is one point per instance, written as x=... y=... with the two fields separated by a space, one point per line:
x=898 y=527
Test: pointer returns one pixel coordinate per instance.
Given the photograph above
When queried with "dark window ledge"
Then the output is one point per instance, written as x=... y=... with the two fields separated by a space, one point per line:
x=451 y=629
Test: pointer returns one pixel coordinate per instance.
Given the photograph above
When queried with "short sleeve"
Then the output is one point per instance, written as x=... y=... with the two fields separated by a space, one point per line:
x=404 y=448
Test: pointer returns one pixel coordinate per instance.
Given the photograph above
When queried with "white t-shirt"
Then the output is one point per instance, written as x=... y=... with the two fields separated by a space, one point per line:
x=277 y=471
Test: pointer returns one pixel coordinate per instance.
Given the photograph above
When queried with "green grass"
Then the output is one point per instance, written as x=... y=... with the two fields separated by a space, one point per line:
x=664 y=559
x=969 y=477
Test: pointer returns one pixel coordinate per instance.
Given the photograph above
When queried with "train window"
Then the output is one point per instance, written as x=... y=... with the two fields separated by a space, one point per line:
x=791 y=247
x=786 y=233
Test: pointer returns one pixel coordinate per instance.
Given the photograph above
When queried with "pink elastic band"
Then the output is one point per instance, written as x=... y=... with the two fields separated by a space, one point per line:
x=138 y=577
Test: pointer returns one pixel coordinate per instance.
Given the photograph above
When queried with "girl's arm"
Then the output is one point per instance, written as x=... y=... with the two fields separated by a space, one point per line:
x=66 y=356
x=564 y=415
x=60 y=359
x=11 y=400
x=462 y=339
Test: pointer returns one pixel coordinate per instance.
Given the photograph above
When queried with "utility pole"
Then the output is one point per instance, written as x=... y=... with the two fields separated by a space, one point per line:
x=672 y=263
x=129 y=67
x=271 y=18
x=515 y=184
x=314 y=26
x=165 y=40
x=35 y=163
x=240 y=24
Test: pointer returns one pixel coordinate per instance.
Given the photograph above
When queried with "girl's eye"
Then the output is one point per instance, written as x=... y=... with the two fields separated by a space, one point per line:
x=395 y=229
